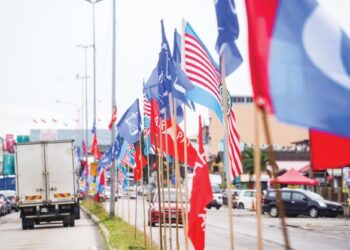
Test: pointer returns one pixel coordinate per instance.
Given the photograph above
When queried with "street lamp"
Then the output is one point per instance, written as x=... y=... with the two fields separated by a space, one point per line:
x=93 y=2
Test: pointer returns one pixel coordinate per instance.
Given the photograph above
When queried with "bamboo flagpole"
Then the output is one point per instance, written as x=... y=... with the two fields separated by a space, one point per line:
x=128 y=196
x=162 y=184
x=168 y=185
x=185 y=134
x=227 y=159
x=257 y=170
x=149 y=197
x=135 y=231
x=143 y=195
x=276 y=186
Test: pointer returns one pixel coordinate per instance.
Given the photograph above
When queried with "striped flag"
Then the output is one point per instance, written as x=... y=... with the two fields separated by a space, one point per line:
x=203 y=72
x=205 y=75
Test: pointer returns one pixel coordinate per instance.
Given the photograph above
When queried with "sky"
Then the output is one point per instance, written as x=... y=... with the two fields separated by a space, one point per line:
x=39 y=57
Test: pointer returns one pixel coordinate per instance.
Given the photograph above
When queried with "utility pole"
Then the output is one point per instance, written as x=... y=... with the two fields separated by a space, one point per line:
x=85 y=47
x=93 y=2
x=113 y=184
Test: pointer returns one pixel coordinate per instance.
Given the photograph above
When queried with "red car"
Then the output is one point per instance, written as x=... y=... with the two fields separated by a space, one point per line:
x=155 y=216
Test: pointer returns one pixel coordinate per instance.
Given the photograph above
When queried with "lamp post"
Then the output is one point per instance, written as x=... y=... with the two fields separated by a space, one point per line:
x=84 y=79
x=85 y=47
x=93 y=2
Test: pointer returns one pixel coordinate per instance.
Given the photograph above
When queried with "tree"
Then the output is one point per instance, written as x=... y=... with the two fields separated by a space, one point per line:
x=248 y=161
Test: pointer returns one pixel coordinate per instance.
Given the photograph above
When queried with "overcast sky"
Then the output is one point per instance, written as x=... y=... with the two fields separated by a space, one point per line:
x=39 y=58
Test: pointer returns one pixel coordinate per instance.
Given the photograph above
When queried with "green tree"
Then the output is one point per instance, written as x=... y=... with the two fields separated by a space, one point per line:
x=248 y=161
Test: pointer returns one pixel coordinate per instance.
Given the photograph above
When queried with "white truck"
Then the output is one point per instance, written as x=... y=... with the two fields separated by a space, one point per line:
x=46 y=185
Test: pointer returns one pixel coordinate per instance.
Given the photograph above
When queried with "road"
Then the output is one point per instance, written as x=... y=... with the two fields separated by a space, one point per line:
x=49 y=236
x=304 y=232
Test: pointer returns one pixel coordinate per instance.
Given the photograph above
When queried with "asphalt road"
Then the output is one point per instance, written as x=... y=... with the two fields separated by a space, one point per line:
x=304 y=232
x=49 y=236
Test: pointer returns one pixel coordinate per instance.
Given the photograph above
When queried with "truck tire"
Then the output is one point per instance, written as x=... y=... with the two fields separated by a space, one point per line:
x=77 y=211
x=27 y=224
x=72 y=223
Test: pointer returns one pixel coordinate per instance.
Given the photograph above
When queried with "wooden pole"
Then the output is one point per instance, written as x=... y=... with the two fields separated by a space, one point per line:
x=143 y=197
x=177 y=169
x=127 y=187
x=185 y=133
x=162 y=184
x=276 y=186
x=149 y=198
x=227 y=159
x=257 y=170
x=168 y=184
x=135 y=235
x=159 y=202
x=185 y=218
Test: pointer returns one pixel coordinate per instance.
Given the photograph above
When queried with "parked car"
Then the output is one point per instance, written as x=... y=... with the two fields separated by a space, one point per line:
x=246 y=198
x=217 y=197
x=5 y=208
x=158 y=217
x=299 y=201
x=11 y=198
x=235 y=193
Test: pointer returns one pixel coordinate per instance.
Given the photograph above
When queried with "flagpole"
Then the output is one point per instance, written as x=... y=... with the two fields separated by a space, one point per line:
x=257 y=170
x=227 y=159
x=162 y=183
x=177 y=168
x=186 y=183
x=185 y=134
x=143 y=197
x=127 y=188
x=135 y=210
x=112 y=200
x=149 y=196
x=159 y=201
x=276 y=186
x=168 y=182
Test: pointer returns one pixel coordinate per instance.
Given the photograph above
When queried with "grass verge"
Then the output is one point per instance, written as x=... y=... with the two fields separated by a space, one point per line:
x=122 y=235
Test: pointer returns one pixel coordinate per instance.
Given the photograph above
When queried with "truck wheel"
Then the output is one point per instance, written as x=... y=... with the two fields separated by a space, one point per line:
x=77 y=211
x=65 y=224
x=27 y=224
x=72 y=222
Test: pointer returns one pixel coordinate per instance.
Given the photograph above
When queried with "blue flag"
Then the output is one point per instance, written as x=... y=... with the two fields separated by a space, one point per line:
x=228 y=32
x=129 y=126
x=111 y=154
x=93 y=130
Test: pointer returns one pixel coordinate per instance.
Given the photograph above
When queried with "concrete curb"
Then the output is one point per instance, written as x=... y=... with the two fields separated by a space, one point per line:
x=101 y=227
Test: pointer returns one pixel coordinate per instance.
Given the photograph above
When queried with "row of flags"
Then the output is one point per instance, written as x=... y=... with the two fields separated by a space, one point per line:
x=296 y=74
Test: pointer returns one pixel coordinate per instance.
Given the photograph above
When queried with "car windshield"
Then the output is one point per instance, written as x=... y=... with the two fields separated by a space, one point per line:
x=172 y=197
x=313 y=195
x=216 y=189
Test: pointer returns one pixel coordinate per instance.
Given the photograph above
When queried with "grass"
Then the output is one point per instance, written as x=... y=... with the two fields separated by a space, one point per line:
x=122 y=235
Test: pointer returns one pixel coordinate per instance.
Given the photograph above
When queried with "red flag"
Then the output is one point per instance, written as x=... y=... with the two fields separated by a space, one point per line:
x=141 y=161
x=114 y=118
x=328 y=151
x=35 y=121
x=102 y=178
x=84 y=148
x=201 y=195
x=54 y=120
x=166 y=131
x=94 y=148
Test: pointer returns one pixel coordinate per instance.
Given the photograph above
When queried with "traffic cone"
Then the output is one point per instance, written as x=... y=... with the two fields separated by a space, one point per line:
x=253 y=205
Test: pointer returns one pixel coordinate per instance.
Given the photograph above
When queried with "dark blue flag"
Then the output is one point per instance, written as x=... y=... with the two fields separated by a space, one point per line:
x=111 y=154
x=129 y=126
x=228 y=30
x=93 y=130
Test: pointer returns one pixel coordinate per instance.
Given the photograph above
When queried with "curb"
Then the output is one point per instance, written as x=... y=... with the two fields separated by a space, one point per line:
x=101 y=227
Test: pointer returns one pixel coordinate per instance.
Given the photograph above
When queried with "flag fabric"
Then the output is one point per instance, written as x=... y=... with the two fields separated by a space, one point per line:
x=328 y=151
x=43 y=120
x=129 y=126
x=203 y=72
x=205 y=75
x=300 y=71
x=234 y=149
x=228 y=30
x=84 y=147
x=166 y=134
x=141 y=162
x=93 y=130
x=95 y=151
x=201 y=195
x=146 y=110
x=54 y=120
x=78 y=151
x=114 y=118
x=101 y=183
x=35 y=121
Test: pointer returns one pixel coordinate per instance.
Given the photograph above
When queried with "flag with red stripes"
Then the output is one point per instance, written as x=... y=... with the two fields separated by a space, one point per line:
x=114 y=118
x=205 y=75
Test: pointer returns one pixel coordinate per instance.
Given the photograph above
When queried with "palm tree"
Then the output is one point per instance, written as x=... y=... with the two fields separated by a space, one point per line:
x=248 y=161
